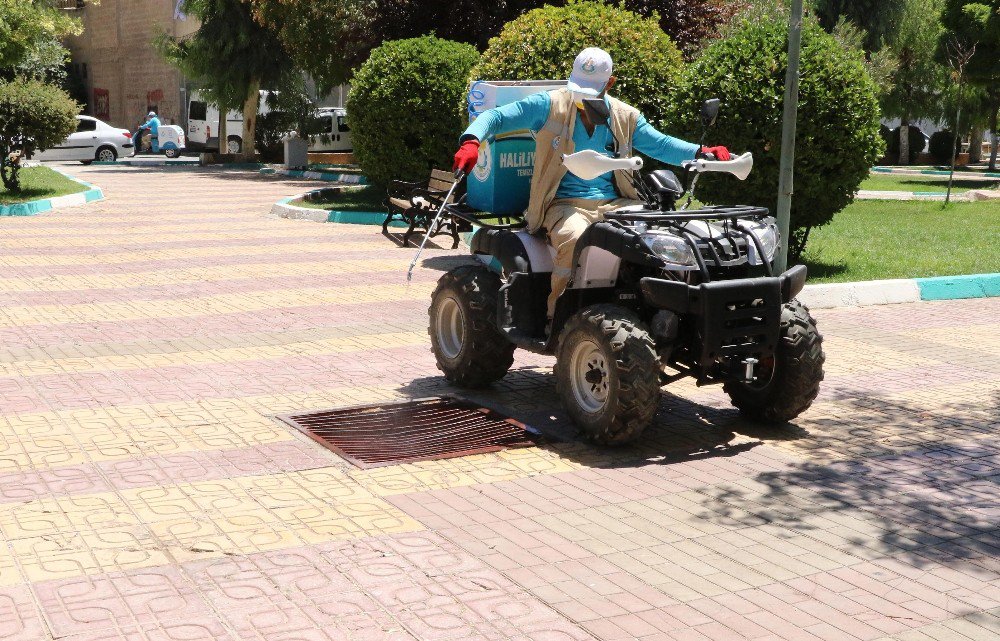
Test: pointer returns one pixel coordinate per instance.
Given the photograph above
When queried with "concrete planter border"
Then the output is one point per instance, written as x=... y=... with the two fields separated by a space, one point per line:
x=904 y=290
x=33 y=207
x=934 y=172
x=284 y=209
x=350 y=179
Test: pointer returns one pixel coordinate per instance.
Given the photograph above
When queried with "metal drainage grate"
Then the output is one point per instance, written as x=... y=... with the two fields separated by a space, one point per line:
x=420 y=430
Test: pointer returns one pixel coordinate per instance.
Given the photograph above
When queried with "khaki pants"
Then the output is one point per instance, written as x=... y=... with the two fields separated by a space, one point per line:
x=565 y=220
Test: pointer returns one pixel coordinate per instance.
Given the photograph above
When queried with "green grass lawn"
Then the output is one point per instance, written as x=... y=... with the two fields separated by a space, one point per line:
x=38 y=183
x=368 y=198
x=872 y=240
x=903 y=182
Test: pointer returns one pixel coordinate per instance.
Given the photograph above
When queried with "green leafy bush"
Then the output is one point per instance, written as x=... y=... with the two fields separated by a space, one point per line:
x=942 y=145
x=542 y=44
x=401 y=109
x=838 y=119
x=891 y=138
x=33 y=116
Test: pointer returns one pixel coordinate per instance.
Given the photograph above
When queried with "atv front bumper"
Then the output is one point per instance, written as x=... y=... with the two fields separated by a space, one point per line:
x=734 y=319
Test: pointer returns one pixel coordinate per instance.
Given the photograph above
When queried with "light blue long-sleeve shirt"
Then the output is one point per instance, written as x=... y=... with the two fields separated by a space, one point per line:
x=532 y=112
x=153 y=124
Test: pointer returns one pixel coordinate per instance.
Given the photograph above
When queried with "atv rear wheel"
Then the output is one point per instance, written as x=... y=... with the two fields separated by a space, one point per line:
x=607 y=374
x=789 y=383
x=464 y=338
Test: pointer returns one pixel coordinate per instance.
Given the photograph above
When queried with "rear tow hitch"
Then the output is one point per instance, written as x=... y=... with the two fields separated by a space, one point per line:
x=748 y=373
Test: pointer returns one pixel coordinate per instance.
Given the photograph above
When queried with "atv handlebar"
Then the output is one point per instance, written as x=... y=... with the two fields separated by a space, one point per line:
x=589 y=164
x=739 y=166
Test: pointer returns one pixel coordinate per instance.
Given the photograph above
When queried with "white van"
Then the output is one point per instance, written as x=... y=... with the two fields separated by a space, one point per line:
x=203 y=124
x=336 y=135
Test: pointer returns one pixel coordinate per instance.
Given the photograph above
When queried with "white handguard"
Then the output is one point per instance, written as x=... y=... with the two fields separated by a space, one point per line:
x=589 y=164
x=739 y=166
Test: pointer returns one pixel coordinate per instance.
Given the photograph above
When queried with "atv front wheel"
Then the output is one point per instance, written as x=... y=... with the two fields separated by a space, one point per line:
x=788 y=383
x=607 y=374
x=464 y=338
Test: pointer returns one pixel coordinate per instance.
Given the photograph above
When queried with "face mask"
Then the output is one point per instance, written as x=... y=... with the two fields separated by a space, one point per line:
x=578 y=99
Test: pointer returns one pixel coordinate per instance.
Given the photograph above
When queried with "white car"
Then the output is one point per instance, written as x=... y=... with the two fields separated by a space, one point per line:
x=92 y=140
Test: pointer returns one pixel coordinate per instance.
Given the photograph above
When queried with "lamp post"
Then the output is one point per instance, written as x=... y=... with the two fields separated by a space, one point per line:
x=785 y=187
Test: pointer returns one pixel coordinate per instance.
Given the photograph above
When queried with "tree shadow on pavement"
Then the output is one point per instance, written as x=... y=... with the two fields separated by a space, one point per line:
x=893 y=478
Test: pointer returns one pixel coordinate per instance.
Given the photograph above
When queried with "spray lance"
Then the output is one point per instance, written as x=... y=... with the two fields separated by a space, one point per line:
x=459 y=176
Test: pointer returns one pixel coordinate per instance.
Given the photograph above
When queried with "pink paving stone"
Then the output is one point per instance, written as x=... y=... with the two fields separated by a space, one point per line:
x=284 y=319
x=28 y=486
x=115 y=601
x=193 y=290
x=19 y=618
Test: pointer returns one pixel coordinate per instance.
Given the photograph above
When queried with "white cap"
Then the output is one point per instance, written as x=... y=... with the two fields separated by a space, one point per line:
x=591 y=71
x=151 y=114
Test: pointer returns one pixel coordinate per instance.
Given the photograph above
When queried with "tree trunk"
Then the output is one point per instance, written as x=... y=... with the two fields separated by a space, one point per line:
x=904 y=141
x=976 y=145
x=223 y=134
x=995 y=142
x=250 y=108
x=8 y=172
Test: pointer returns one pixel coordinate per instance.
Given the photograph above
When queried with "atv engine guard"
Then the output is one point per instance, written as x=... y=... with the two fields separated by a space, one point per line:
x=736 y=319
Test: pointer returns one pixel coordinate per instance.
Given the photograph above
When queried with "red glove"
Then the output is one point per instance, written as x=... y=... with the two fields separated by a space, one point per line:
x=720 y=153
x=467 y=156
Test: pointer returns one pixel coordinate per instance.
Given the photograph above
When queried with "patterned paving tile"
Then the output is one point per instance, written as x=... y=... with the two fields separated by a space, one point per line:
x=148 y=494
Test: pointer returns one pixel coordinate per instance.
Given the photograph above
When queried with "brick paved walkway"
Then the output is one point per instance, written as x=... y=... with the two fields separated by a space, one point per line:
x=146 y=492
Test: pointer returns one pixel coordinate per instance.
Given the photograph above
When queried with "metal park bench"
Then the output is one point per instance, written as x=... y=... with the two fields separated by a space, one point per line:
x=417 y=203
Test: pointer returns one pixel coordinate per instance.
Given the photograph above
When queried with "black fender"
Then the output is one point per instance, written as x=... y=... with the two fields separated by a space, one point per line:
x=503 y=245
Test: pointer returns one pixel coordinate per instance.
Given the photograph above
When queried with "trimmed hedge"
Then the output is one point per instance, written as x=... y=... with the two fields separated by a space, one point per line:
x=891 y=137
x=837 y=139
x=942 y=145
x=401 y=109
x=33 y=116
x=542 y=44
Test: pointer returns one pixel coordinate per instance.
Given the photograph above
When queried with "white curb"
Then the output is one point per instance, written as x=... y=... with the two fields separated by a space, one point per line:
x=873 y=292
x=282 y=209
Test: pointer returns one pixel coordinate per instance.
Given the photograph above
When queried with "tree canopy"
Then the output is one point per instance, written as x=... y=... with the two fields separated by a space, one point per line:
x=919 y=80
x=689 y=23
x=231 y=57
x=30 y=35
x=978 y=23
x=878 y=18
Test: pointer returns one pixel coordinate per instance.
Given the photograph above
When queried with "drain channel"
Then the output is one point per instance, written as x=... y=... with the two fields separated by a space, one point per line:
x=419 y=430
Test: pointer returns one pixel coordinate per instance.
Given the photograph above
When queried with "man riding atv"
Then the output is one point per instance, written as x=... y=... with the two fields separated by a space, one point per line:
x=561 y=203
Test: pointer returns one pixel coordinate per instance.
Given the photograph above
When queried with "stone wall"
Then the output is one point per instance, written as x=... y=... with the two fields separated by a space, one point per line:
x=125 y=76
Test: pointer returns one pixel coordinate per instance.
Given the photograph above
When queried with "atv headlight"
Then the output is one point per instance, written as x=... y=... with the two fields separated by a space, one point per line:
x=766 y=232
x=672 y=249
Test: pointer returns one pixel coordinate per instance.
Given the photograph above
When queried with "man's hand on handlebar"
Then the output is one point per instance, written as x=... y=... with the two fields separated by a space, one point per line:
x=467 y=156
x=714 y=153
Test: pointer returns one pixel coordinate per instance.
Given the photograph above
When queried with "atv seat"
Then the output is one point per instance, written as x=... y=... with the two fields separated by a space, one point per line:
x=416 y=204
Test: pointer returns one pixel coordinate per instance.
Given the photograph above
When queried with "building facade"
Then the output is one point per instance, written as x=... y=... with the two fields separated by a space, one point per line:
x=124 y=74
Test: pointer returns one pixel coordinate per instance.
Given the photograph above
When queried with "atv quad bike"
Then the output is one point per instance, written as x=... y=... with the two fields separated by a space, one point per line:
x=656 y=295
